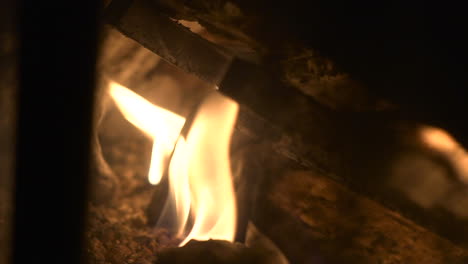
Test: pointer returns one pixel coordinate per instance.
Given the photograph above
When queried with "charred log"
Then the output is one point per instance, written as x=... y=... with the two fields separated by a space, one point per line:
x=214 y=252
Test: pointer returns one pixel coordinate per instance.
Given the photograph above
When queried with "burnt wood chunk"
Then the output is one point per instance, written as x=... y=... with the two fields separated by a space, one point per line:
x=173 y=42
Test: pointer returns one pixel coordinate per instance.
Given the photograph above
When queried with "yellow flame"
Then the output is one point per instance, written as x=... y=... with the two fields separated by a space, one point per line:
x=179 y=192
x=158 y=123
x=200 y=180
x=209 y=169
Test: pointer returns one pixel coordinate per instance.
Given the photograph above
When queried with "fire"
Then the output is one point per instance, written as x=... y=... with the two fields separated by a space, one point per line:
x=199 y=172
x=209 y=170
x=158 y=123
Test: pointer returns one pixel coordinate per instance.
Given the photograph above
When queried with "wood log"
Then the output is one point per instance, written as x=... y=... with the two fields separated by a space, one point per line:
x=312 y=219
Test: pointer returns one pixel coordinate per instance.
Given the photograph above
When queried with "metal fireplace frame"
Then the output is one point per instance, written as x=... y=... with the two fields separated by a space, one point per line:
x=57 y=58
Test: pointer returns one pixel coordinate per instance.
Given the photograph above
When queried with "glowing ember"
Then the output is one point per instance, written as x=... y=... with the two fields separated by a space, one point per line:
x=442 y=142
x=200 y=180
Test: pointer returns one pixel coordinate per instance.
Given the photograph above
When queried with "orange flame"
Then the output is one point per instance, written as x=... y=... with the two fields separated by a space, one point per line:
x=200 y=180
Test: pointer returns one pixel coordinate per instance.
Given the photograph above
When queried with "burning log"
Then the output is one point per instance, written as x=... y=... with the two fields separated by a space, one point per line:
x=296 y=235
x=220 y=66
x=300 y=129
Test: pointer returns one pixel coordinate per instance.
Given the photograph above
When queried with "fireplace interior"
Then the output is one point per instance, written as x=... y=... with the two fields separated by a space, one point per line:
x=170 y=131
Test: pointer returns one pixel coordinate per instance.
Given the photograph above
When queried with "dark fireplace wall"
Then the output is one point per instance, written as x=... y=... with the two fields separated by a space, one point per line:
x=7 y=122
